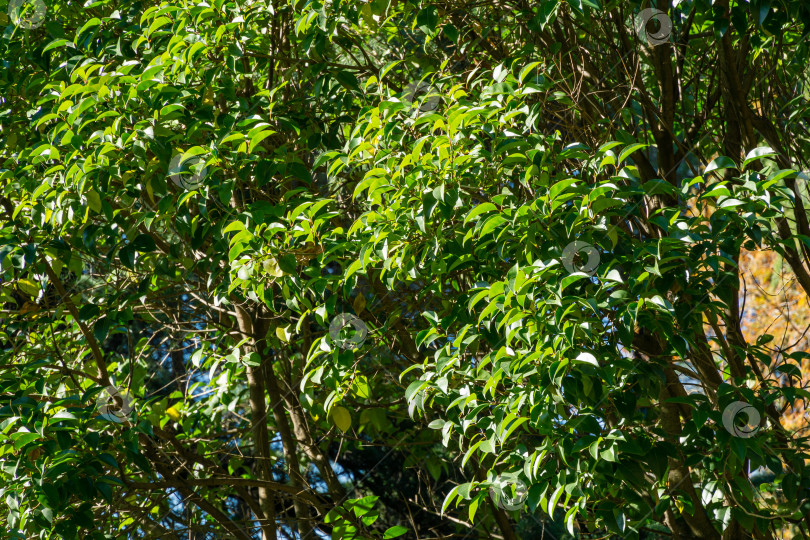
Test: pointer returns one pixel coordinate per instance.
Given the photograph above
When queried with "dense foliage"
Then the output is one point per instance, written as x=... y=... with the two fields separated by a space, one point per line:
x=398 y=269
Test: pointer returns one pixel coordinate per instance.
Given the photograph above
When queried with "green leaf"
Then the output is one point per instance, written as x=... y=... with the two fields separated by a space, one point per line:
x=451 y=496
x=547 y=13
x=93 y=200
x=629 y=150
x=255 y=140
x=427 y=19
x=572 y=278
x=559 y=187
x=22 y=438
x=757 y=154
x=720 y=163
x=341 y=418
x=234 y=226
x=527 y=70
x=478 y=210
x=55 y=44
x=283 y=333
x=89 y=24
x=469 y=453
x=554 y=499
x=250 y=359
x=271 y=267
x=587 y=358
x=144 y=243
x=512 y=427
x=491 y=224
x=394 y=532
x=763 y=11
x=361 y=387
x=288 y=263
x=29 y=287
x=717 y=190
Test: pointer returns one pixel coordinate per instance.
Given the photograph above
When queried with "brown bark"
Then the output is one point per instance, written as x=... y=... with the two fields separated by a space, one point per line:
x=101 y=363
x=290 y=447
x=261 y=440
x=697 y=524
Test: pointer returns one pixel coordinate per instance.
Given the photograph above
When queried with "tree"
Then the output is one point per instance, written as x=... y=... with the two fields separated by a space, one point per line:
x=368 y=270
